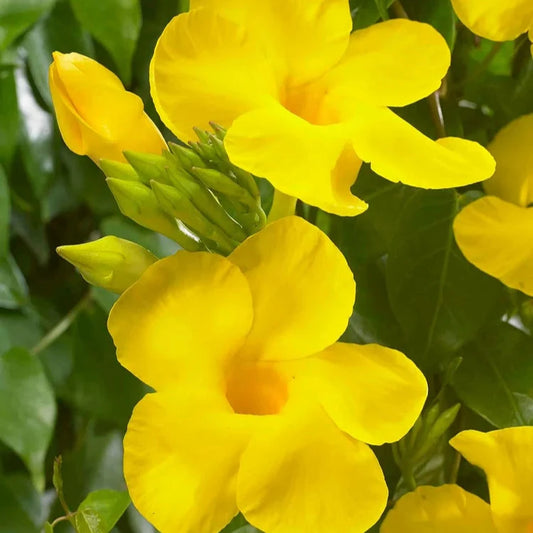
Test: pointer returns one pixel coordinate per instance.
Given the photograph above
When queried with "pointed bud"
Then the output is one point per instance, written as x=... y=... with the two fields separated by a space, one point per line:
x=120 y=171
x=148 y=166
x=138 y=202
x=111 y=263
x=96 y=115
x=216 y=181
x=186 y=156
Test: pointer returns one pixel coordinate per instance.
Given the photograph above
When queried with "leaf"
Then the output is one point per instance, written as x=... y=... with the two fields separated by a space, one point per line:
x=16 y=16
x=116 y=24
x=5 y=209
x=13 y=288
x=14 y=516
x=496 y=376
x=107 y=505
x=10 y=116
x=88 y=521
x=366 y=12
x=27 y=410
x=440 y=300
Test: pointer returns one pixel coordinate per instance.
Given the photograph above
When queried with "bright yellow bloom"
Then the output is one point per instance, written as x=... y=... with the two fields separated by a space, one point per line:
x=507 y=459
x=257 y=408
x=96 y=115
x=495 y=233
x=306 y=102
x=497 y=20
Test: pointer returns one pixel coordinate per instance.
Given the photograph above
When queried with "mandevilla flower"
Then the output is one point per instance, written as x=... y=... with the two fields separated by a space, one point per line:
x=495 y=233
x=96 y=115
x=306 y=102
x=497 y=20
x=257 y=409
x=505 y=456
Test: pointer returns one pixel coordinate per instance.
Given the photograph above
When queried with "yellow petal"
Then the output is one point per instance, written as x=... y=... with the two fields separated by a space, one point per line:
x=507 y=459
x=96 y=115
x=181 y=458
x=513 y=179
x=498 y=20
x=444 y=509
x=303 y=38
x=399 y=152
x=373 y=393
x=310 y=162
x=393 y=63
x=301 y=474
x=207 y=68
x=303 y=290
x=186 y=315
x=496 y=237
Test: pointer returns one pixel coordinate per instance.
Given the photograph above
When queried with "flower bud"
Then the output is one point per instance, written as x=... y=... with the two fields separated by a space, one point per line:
x=96 y=115
x=111 y=263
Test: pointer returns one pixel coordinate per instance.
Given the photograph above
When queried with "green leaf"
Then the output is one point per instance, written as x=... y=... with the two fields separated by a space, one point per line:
x=495 y=377
x=107 y=505
x=27 y=410
x=116 y=24
x=13 y=288
x=5 y=209
x=16 y=16
x=48 y=528
x=14 y=516
x=367 y=12
x=10 y=116
x=88 y=521
x=440 y=300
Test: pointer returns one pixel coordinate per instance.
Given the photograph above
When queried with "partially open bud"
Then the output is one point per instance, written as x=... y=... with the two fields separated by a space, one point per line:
x=111 y=263
x=96 y=115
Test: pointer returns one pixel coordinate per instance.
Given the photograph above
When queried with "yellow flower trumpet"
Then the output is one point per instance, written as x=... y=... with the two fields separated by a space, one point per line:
x=306 y=102
x=495 y=233
x=505 y=456
x=257 y=408
x=96 y=115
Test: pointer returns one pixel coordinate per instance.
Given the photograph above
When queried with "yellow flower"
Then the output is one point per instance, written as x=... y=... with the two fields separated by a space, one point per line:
x=507 y=459
x=96 y=115
x=306 y=102
x=495 y=233
x=497 y=20
x=257 y=408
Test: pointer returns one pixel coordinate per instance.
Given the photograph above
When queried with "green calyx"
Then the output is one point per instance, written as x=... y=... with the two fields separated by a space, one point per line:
x=192 y=194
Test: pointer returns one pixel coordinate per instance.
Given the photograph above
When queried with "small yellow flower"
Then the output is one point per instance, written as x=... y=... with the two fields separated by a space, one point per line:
x=96 y=115
x=306 y=102
x=257 y=409
x=495 y=233
x=497 y=20
x=506 y=457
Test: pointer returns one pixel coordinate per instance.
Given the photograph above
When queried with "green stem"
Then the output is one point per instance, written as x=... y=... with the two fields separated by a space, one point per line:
x=282 y=206
x=436 y=113
x=399 y=10
x=62 y=326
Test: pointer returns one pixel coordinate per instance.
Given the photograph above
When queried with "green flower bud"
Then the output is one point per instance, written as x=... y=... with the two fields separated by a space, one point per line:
x=118 y=170
x=111 y=263
x=148 y=166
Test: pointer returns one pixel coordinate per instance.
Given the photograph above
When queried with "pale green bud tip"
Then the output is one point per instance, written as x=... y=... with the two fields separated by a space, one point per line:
x=111 y=263
x=116 y=169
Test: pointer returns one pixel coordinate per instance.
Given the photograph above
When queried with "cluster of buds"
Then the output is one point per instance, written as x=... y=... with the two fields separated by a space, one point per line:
x=191 y=194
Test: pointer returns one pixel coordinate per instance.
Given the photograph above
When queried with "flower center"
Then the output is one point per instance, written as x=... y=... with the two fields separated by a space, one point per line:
x=253 y=389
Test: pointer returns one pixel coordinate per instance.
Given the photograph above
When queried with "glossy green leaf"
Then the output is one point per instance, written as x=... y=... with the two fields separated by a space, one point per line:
x=107 y=505
x=116 y=24
x=10 y=116
x=15 y=516
x=16 y=16
x=13 y=288
x=440 y=300
x=27 y=409
x=496 y=374
x=367 y=12
x=88 y=521
x=5 y=210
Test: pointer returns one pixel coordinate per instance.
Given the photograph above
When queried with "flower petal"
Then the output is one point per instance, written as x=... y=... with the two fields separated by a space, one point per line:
x=439 y=510
x=393 y=63
x=302 y=288
x=178 y=474
x=505 y=456
x=399 y=152
x=184 y=317
x=373 y=393
x=496 y=237
x=302 y=474
x=311 y=162
x=303 y=38
x=207 y=68
x=495 y=19
x=513 y=179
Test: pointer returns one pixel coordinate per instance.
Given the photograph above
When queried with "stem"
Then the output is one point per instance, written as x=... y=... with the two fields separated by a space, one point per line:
x=436 y=113
x=399 y=10
x=454 y=472
x=61 y=327
x=282 y=206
